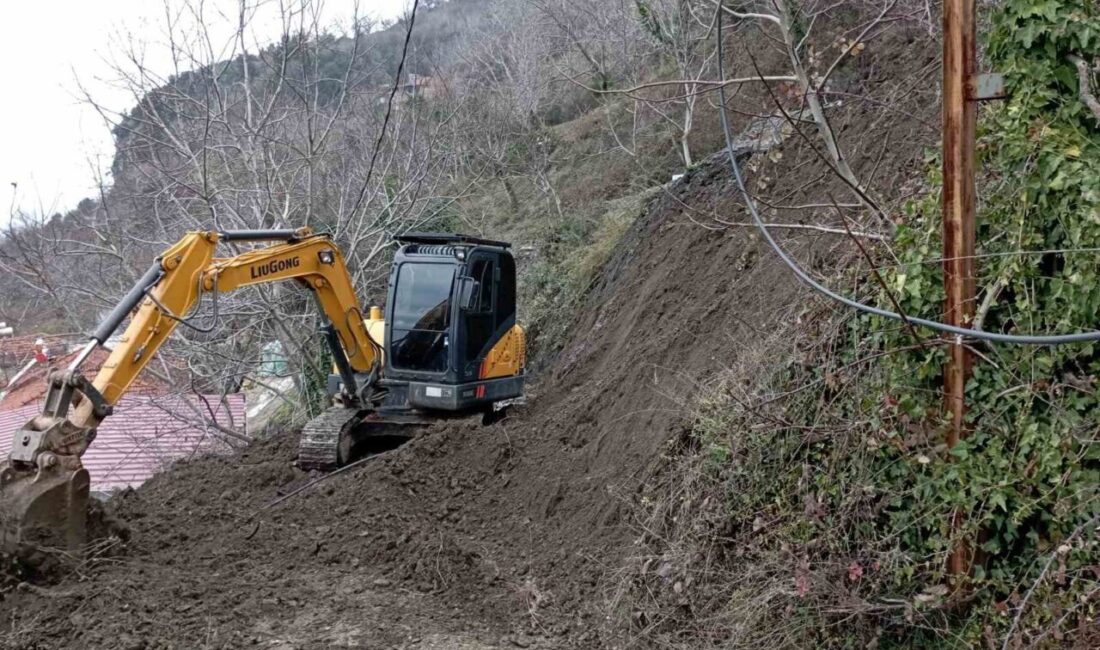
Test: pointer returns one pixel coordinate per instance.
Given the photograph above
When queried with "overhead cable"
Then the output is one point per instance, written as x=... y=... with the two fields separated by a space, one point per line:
x=961 y=332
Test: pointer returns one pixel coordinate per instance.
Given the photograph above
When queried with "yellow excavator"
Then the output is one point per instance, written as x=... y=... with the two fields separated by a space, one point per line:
x=447 y=345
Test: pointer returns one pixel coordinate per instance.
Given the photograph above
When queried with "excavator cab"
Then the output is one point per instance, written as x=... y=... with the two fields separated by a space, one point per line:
x=451 y=333
x=450 y=338
x=449 y=344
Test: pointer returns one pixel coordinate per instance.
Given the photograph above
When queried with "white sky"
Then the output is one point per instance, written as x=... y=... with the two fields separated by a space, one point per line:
x=50 y=139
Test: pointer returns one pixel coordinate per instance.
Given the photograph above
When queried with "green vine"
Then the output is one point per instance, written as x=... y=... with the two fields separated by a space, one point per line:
x=854 y=485
x=1027 y=477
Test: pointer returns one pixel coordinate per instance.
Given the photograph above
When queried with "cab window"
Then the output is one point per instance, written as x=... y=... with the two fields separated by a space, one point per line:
x=479 y=318
x=482 y=271
x=423 y=297
x=419 y=338
x=506 y=291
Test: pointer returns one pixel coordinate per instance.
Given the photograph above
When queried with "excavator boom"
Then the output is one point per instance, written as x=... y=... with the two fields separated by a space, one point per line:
x=43 y=485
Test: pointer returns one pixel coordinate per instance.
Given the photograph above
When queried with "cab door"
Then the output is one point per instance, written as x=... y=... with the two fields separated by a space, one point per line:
x=478 y=321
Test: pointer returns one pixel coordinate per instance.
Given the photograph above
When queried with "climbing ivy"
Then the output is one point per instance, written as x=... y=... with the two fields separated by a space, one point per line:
x=1027 y=478
x=851 y=482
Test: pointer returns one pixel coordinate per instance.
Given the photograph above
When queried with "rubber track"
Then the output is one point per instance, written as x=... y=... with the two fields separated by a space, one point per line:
x=320 y=439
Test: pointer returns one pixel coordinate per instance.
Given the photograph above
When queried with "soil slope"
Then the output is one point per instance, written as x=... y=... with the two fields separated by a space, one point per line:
x=469 y=536
x=487 y=533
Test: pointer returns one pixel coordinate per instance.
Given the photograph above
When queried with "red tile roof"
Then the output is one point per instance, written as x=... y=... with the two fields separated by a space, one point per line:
x=145 y=434
x=31 y=387
x=17 y=350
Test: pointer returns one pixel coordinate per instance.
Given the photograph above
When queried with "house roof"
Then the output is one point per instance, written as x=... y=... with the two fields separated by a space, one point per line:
x=17 y=350
x=31 y=387
x=146 y=433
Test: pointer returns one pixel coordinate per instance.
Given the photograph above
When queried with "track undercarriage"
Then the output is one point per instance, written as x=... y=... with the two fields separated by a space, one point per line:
x=334 y=438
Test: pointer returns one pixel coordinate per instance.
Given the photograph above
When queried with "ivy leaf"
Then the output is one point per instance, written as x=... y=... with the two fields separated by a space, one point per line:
x=1028 y=34
x=997 y=500
x=1048 y=10
x=899 y=281
x=1066 y=76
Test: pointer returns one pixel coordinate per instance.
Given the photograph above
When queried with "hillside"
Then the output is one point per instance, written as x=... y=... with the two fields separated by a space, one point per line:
x=713 y=455
x=532 y=515
x=515 y=515
x=438 y=164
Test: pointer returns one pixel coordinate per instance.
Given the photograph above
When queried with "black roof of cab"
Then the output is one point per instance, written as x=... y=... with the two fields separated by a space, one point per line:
x=447 y=238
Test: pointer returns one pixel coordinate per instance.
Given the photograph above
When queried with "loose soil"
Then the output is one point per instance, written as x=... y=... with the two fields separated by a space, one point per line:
x=468 y=536
x=473 y=537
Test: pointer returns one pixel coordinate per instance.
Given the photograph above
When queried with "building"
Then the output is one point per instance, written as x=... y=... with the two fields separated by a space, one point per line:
x=145 y=434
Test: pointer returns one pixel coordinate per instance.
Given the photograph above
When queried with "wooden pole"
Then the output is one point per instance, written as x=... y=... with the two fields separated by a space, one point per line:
x=959 y=123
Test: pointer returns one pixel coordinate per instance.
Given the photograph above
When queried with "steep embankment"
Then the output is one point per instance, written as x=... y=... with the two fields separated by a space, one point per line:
x=468 y=534
x=466 y=530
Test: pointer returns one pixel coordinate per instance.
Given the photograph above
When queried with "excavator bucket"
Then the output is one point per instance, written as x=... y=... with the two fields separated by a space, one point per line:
x=43 y=485
x=46 y=508
x=43 y=495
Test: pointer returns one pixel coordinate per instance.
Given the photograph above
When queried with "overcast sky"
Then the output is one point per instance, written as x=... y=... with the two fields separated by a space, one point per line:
x=51 y=141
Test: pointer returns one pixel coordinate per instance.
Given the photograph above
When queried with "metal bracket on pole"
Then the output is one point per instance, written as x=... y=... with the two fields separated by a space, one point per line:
x=988 y=86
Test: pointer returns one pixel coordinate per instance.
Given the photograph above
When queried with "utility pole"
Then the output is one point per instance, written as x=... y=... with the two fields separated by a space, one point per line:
x=959 y=126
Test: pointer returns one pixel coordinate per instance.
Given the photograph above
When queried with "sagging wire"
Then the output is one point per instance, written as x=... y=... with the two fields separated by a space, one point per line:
x=959 y=332
x=389 y=108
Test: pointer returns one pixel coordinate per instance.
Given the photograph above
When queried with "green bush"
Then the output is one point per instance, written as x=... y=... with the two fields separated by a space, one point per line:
x=1027 y=475
x=575 y=251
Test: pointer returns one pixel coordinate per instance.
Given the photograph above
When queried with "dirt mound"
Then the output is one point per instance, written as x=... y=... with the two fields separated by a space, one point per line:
x=500 y=536
x=209 y=563
x=36 y=559
x=487 y=532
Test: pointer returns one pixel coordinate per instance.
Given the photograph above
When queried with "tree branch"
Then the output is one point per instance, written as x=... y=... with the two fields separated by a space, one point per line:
x=1083 y=75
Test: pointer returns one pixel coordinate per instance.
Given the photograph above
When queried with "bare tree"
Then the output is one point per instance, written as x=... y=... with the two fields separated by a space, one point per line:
x=243 y=134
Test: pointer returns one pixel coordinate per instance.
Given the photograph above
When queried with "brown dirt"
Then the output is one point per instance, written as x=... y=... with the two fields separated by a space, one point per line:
x=503 y=534
x=469 y=536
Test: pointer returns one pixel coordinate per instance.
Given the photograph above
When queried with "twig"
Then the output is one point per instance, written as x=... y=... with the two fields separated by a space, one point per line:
x=991 y=296
x=878 y=276
x=757 y=16
x=389 y=109
x=837 y=165
x=806 y=226
x=857 y=362
x=45 y=593
x=1085 y=90
x=713 y=85
x=1031 y=590
x=315 y=481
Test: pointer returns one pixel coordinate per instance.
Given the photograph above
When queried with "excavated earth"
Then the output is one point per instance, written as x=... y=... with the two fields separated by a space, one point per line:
x=466 y=537
x=470 y=537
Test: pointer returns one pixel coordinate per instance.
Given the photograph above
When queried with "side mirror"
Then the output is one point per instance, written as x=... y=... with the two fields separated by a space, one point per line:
x=468 y=292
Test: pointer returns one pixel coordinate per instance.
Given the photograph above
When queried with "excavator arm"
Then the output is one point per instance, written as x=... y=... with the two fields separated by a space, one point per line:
x=189 y=270
x=43 y=486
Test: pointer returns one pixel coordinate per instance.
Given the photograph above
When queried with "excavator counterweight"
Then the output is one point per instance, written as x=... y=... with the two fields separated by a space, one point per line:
x=448 y=344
